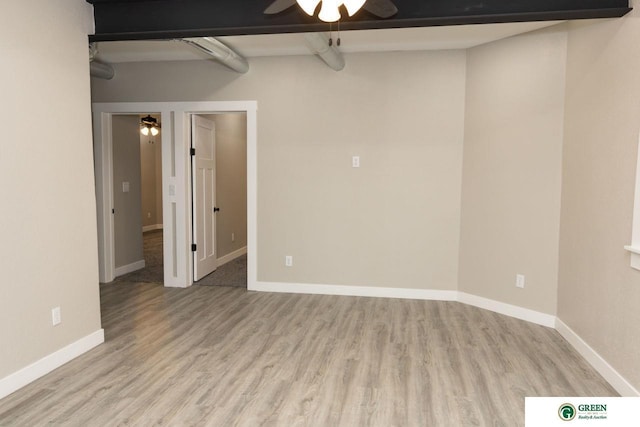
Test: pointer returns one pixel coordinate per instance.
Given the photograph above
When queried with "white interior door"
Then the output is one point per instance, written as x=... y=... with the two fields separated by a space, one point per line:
x=204 y=196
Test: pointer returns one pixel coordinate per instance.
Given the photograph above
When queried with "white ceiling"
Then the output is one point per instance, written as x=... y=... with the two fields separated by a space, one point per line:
x=397 y=39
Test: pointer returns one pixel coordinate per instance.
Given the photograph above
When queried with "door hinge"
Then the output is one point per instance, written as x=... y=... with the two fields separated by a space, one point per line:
x=113 y=211
x=193 y=151
x=193 y=247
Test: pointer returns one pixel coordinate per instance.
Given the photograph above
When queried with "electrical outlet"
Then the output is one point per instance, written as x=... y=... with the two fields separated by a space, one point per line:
x=148 y=214
x=56 y=317
x=288 y=261
x=355 y=161
x=519 y=280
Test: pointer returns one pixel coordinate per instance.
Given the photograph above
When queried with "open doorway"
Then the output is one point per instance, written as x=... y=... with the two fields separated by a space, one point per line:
x=137 y=198
x=219 y=198
x=151 y=197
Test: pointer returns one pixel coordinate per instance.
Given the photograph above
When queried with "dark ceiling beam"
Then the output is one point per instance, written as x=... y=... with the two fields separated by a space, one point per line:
x=168 y=19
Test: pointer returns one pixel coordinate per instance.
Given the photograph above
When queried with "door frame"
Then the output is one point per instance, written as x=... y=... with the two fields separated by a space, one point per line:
x=176 y=183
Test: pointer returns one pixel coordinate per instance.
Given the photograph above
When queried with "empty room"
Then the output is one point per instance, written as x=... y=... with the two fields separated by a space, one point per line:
x=436 y=203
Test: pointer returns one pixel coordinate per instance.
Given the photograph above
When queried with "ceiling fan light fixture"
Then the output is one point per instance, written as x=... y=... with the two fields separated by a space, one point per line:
x=309 y=6
x=330 y=11
x=149 y=125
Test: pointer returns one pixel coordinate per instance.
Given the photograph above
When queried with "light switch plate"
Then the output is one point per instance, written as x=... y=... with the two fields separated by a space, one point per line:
x=56 y=317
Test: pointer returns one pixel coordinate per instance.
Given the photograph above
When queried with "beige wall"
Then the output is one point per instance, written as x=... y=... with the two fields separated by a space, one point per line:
x=599 y=293
x=393 y=222
x=231 y=181
x=151 y=176
x=512 y=169
x=48 y=244
x=127 y=222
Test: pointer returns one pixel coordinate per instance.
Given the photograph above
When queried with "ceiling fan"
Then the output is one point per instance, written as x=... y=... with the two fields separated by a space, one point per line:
x=380 y=8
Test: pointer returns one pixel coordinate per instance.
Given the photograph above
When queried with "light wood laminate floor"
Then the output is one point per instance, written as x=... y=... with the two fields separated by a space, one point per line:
x=220 y=356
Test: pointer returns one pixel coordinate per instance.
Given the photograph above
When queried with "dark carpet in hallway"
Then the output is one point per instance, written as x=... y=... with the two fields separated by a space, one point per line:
x=233 y=273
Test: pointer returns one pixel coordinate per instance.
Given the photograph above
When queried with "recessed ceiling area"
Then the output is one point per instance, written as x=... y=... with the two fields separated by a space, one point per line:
x=379 y=40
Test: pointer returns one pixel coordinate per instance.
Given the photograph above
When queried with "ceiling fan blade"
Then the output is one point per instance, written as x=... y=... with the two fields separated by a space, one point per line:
x=381 y=8
x=279 y=6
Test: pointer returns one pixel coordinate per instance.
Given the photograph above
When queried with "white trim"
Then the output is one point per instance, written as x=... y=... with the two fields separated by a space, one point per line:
x=408 y=293
x=192 y=107
x=134 y=266
x=532 y=316
x=612 y=376
x=635 y=255
x=38 y=369
x=231 y=256
x=360 y=291
x=252 y=195
x=180 y=199
x=634 y=247
x=152 y=227
x=102 y=148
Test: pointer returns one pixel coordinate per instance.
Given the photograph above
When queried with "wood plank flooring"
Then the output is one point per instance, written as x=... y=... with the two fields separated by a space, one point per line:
x=217 y=356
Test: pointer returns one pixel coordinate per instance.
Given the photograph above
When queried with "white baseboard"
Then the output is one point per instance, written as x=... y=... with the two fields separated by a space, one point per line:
x=509 y=310
x=152 y=227
x=612 y=376
x=48 y=363
x=129 y=268
x=406 y=293
x=230 y=257
x=358 y=291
